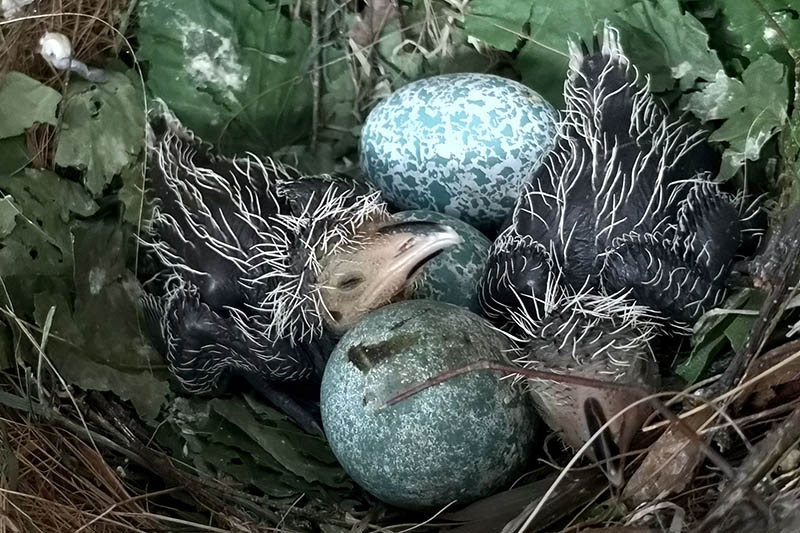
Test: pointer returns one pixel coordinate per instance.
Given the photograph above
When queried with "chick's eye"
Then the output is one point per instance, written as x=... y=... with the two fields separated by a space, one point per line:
x=350 y=282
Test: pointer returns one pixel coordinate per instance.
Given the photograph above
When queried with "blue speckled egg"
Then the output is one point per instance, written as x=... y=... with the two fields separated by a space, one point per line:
x=460 y=144
x=459 y=440
x=453 y=275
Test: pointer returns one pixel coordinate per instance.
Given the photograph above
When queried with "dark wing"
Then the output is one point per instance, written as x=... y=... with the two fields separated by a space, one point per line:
x=209 y=212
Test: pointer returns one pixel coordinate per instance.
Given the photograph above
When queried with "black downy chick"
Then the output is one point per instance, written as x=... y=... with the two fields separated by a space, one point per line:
x=621 y=230
x=257 y=263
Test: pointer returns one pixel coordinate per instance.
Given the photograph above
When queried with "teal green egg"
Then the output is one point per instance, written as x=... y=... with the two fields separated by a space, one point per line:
x=461 y=144
x=460 y=440
x=453 y=275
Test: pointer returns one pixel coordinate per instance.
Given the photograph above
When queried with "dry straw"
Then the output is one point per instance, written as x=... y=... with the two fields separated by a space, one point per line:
x=93 y=39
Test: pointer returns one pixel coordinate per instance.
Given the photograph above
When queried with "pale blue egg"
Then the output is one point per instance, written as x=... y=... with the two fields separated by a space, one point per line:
x=460 y=144
x=460 y=440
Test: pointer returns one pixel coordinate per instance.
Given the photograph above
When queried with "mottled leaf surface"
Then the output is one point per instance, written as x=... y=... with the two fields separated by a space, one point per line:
x=103 y=129
x=748 y=31
x=234 y=72
x=497 y=22
x=754 y=109
x=41 y=242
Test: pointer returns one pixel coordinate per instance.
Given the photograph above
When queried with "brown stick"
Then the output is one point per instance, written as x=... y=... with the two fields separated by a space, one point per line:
x=316 y=84
x=777 y=271
x=759 y=463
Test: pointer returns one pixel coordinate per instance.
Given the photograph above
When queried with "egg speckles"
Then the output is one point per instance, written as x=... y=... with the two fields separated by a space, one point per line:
x=459 y=440
x=453 y=275
x=460 y=144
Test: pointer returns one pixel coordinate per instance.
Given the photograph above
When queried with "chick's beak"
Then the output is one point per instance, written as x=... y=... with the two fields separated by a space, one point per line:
x=355 y=282
x=411 y=244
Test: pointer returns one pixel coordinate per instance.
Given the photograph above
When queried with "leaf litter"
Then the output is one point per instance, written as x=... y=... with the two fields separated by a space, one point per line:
x=239 y=74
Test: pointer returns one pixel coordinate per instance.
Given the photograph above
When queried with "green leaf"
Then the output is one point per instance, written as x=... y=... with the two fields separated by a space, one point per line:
x=664 y=42
x=544 y=58
x=146 y=392
x=102 y=129
x=704 y=352
x=130 y=194
x=234 y=72
x=791 y=153
x=720 y=99
x=747 y=29
x=8 y=215
x=242 y=466
x=14 y=155
x=106 y=300
x=6 y=347
x=553 y=22
x=25 y=102
x=198 y=432
x=96 y=343
x=498 y=23
x=41 y=242
x=679 y=38
x=754 y=110
x=738 y=331
x=544 y=71
x=278 y=443
x=715 y=332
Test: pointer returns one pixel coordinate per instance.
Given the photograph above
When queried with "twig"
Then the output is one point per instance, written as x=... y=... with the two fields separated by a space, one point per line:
x=502 y=367
x=316 y=73
x=19 y=403
x=125 y=20
x=777 y=270
x=48 y=323
x=129 y=430
x=148 y=459
x=758 y=464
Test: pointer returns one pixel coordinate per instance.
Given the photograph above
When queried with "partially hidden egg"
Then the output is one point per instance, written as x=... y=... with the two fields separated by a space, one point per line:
x=458 y=441
x=461 y=144
x=453 y=275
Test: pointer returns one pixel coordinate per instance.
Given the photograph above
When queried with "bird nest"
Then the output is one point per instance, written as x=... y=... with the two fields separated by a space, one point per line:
x=76 y=457
x=54 y=481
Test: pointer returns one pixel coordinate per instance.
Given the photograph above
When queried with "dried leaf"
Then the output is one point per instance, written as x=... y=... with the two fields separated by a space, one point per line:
x=669 y=466
x=376 y=16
